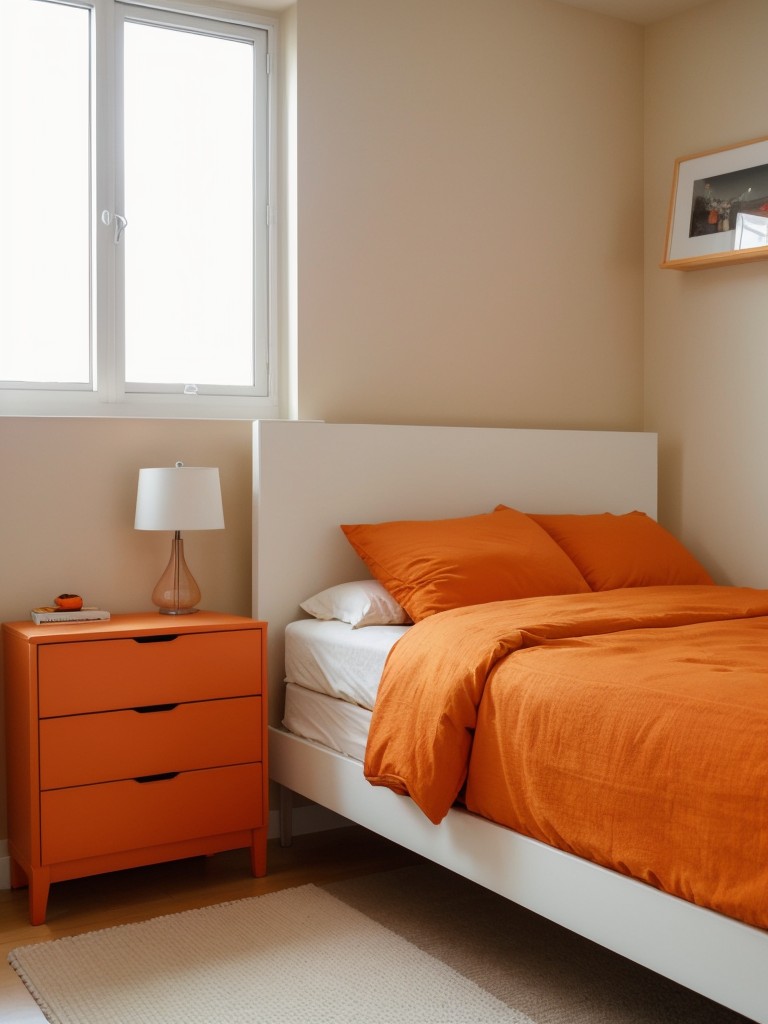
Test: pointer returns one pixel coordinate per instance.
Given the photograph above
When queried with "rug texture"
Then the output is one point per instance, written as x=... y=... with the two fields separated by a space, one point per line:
x=548 y=973
x=299 y=956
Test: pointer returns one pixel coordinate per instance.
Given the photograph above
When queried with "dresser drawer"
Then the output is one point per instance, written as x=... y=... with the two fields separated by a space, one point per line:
x=101 y=675
x=112 y=745
x=90 y=821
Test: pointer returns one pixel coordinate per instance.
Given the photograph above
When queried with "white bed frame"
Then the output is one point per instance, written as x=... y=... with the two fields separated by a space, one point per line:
x=308 y=479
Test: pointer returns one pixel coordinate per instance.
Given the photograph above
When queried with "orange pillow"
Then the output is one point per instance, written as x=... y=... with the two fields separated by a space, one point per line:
x=430 y=566
x=629 y=550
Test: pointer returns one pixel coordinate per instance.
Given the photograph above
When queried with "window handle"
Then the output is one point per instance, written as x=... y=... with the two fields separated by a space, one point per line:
x=121 y=224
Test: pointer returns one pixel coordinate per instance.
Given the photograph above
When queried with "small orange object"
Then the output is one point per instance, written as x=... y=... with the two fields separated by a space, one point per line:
x=69 y=602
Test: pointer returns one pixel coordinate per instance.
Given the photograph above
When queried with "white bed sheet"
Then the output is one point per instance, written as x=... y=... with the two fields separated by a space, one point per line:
x=331 y=657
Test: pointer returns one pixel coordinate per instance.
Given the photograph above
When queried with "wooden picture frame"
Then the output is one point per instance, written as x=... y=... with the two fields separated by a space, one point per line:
x=718 y=213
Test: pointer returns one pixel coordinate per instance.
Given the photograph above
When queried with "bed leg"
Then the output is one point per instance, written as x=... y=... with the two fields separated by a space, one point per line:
x=286 y=816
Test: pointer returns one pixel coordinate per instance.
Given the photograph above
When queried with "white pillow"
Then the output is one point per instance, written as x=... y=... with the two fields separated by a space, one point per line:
x=364 y=603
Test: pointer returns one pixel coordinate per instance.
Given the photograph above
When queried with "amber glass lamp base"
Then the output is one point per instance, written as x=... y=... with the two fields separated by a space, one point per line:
x=176 y=592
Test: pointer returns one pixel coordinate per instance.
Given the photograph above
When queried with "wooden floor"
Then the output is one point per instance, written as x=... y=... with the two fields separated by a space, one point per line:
x=104 y=901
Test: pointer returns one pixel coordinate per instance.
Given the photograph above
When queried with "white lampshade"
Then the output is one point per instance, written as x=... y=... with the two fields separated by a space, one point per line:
x=179 y=498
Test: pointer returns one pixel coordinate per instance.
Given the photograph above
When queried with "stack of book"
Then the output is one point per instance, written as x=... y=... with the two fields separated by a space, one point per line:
x=51 y=613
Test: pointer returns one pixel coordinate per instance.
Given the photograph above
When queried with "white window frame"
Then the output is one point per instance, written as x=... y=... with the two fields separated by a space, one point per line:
x=111 y=398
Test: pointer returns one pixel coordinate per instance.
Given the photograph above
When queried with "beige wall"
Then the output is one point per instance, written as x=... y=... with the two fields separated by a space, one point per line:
x=469 y=217
x=706 y=345
x=469 y=213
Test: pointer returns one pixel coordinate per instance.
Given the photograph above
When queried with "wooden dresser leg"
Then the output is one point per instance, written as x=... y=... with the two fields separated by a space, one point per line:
x=39 y=886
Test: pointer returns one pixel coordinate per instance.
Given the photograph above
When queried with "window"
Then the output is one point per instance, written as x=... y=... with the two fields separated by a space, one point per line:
x=135 y=235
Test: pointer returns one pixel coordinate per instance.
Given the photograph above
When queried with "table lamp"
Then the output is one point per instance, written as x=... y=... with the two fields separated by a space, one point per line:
x=178 y=498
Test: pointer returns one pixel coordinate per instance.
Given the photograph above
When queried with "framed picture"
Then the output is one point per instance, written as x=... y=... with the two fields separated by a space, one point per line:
x=718 y=214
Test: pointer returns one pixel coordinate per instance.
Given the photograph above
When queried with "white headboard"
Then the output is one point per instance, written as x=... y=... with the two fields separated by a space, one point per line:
x=310 y=477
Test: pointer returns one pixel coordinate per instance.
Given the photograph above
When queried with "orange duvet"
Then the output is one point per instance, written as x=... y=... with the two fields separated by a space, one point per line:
x=629 y=727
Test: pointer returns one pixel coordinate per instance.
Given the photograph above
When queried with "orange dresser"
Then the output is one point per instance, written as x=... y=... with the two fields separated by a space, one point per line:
x=132 y=741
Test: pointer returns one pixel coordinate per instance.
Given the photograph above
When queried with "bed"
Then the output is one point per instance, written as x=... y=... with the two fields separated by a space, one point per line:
x=309 y=478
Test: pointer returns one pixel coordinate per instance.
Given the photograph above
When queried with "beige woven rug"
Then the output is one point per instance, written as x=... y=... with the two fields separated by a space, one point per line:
x=298 y=956
x=409 y=946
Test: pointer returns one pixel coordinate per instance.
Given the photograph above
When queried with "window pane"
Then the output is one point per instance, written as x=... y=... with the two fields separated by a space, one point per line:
x=45 y=322
x=188 y=133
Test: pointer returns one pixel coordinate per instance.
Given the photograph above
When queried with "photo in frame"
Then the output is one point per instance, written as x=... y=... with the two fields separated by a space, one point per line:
x=719 y=208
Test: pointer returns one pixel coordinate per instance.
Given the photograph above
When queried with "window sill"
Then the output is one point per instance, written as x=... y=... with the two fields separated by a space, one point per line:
x=179 y=407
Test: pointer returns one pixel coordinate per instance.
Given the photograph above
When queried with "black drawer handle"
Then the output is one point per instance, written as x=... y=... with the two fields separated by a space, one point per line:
x=160 y=777
x=161 y=638
x=151 y=709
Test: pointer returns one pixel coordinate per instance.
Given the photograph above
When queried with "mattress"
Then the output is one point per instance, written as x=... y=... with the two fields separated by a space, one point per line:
x=332 y=676
x=331 y=657
x=334 y=723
